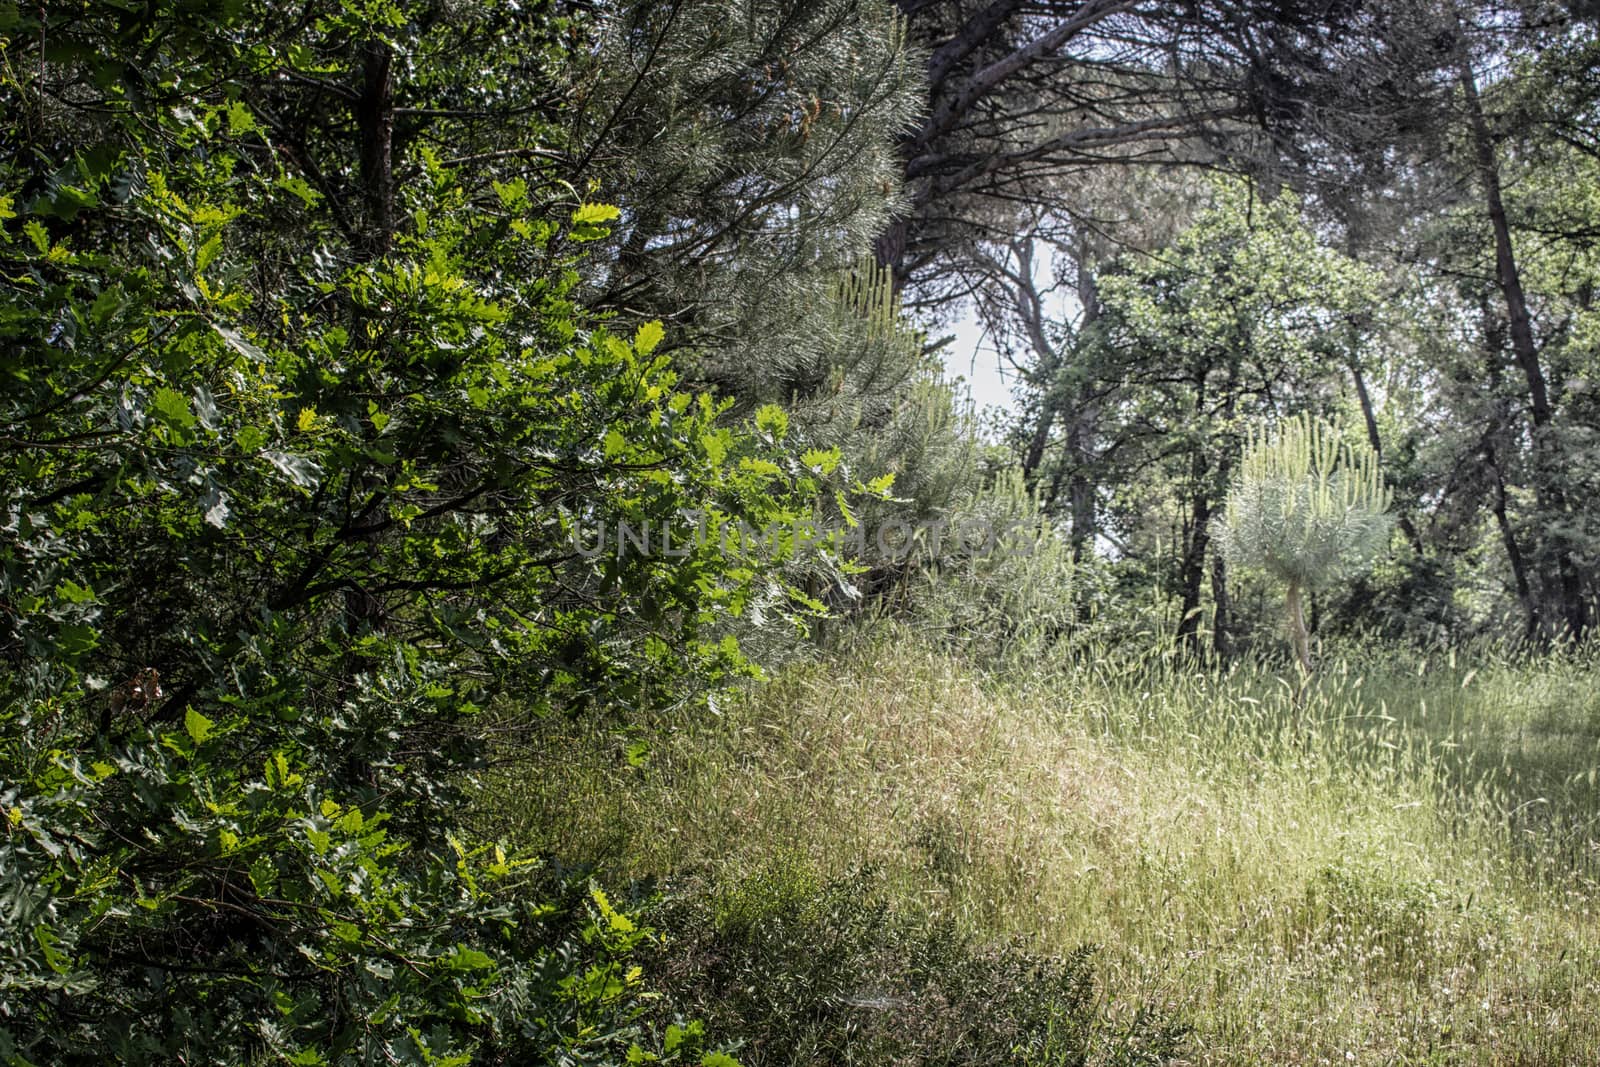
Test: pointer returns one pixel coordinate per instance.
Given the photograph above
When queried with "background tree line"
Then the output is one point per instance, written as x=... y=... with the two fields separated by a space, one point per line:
x=1404 y=242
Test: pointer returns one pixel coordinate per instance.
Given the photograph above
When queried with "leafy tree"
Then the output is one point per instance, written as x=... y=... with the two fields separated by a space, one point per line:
x=1038 y=297
x=304 y=429
x=1309 y=508
x=1446 y=140
x=1243 y=317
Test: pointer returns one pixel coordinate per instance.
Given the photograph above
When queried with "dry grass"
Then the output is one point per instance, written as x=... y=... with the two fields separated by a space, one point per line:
x=1403 y=871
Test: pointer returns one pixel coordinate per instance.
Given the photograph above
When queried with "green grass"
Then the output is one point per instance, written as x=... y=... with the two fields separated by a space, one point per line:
x=1400 y=870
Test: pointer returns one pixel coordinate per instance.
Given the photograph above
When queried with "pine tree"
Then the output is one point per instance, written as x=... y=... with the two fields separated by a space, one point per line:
x=750 y=147
x=1310 y=508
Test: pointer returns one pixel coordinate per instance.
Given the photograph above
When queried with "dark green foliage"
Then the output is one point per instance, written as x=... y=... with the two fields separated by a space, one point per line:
x=831 y=973
x=751 y=146
x=302 y=430
x=174 y=902
x=872 y=394
x=752 y=152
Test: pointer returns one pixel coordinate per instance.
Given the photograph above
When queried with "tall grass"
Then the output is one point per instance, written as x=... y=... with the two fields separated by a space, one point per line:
x=1401 y=867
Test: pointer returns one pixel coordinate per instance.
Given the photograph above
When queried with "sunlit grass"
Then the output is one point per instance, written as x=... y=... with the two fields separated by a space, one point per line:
x=1401 y=868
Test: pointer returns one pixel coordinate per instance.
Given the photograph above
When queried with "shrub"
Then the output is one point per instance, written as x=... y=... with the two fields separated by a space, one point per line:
x=210 y=894
x=300 y=423
x=1003 y=581
x=828 y=972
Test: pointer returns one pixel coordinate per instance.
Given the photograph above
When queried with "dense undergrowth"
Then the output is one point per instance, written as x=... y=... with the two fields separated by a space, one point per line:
x=1403 y=869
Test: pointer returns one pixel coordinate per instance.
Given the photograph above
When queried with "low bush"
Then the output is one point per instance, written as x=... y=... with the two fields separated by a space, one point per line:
x=832 y=972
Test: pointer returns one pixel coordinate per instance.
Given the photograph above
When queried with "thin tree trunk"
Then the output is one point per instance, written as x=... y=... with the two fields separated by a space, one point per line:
x=1046 y=356
x=375 y=119
x=374 y=113
x=1086 y=413
x=1221 y=632
x=1403 y=520
x=1494 y=343
x=1507 y=276
x=1041 y=435
x=1193 y=570
x=1211 y=486
x=1208 y=482
x=1524 y=348
x=1081 y=496
x=1297 y=630
x=1508 y=536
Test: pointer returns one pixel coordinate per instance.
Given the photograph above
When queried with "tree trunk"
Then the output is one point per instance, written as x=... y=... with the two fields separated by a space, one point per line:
x=1210 y=488
x=1086 y=413
x=1193 y=569
x=1081 y=496
x=1524 y=349
x=374 y=113
x=1046 y=356
x=1407 y=527
x=1507 y=276
x=1499 y=423
x=375 y=119
x=1041 y=431
x=1297 y=631
x=1210 y=484
x=1508 y=536
x=1221 y=634
x=890 y=250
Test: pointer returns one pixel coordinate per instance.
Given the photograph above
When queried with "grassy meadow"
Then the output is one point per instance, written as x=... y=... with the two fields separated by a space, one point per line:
x=1399 y=868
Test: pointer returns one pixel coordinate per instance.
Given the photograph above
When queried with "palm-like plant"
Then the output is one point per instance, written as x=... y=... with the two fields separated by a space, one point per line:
x=1309 y=507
